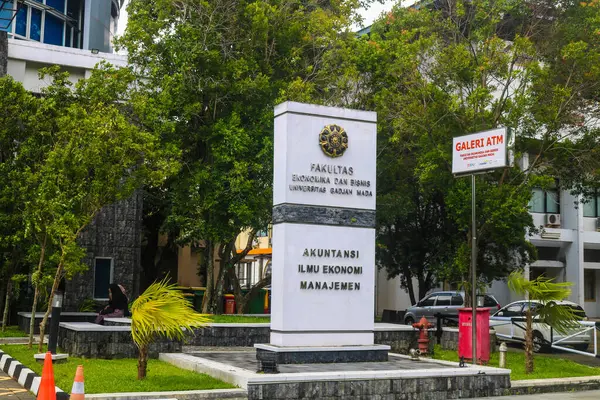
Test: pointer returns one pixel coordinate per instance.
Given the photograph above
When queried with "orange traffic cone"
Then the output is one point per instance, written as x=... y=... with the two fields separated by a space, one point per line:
x=77 y=392
x=47 y=390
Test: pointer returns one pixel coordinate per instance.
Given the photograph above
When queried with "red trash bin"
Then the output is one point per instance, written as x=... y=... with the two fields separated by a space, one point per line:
x=483 y=334
x=229 y=304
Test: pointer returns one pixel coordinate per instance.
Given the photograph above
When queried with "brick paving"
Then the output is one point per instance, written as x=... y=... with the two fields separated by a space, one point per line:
x=10 y=389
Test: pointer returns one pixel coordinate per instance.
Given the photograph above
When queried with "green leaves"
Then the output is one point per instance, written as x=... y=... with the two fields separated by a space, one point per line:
x=436 y=73
x=560 y=317
x=162 y=310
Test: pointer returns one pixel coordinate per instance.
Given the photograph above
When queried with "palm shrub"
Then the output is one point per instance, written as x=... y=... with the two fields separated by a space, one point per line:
x=547 y=292
x=161 y=310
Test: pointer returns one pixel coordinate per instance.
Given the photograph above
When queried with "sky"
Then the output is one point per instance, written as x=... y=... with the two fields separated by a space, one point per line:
x=369 y=15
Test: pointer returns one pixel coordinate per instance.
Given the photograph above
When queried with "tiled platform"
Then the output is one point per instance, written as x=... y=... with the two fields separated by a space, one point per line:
x=247 y=360
x=398 y=378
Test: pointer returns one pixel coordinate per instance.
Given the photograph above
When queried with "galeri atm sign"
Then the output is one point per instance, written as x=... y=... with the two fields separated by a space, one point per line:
x=480 y=151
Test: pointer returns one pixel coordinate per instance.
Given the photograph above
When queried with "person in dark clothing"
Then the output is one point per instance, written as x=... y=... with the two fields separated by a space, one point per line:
x=118 y=304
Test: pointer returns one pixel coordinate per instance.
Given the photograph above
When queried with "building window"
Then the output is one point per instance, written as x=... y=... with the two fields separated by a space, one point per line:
x=589 y=284
x=103 y=274
x=6 y=15
x=35 y=24
x=262 y=233
x=545 y=201
x=56 y=22
x=591 y=206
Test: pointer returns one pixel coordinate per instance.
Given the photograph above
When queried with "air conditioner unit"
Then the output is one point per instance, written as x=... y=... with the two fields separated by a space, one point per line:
x=553 y=220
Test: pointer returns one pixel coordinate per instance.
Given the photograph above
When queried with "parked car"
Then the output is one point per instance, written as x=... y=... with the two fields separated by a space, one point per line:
x=446 y=303
x=514 y=331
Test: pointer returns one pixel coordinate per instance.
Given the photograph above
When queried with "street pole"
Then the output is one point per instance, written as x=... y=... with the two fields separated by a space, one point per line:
x=54 y=322
x=473 y=274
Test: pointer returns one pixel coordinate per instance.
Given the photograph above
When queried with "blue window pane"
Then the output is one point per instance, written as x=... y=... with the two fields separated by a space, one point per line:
x=552 y=201
x=589 y=207
x=536 y=204
x=35 y=30
x=58 y=4
x=21 y=20
x=53 y=30
x=5 y=16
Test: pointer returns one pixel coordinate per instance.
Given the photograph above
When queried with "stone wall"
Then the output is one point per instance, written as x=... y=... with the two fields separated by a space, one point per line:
x=108 y=344
x=402 y=340
x=3 y=53
x=230 y=335
x=24 y=319
x=449 y=340
x=431 y=388
x=115 y=233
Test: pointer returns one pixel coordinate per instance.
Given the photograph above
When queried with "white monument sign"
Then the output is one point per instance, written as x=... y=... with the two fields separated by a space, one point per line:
x=479 y=151
x=323 y=226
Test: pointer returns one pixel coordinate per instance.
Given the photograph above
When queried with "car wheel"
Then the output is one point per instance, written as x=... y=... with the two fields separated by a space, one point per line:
x=409 y=321
x=538 y=343
x=581 y=346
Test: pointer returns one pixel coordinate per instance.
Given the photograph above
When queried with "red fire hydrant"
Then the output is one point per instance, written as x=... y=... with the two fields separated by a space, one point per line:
x=423 y=325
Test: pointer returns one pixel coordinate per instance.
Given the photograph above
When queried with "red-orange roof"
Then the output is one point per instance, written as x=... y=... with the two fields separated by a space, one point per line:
x=255 y=252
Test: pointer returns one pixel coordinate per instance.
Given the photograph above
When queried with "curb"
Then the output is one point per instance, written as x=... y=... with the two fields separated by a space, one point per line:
x=555 y=385
x=21 y=340
x=231 y=394
x=26 y=377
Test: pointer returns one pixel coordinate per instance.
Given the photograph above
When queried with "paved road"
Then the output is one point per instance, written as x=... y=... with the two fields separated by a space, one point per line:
x=588 y=395
x=10 y=389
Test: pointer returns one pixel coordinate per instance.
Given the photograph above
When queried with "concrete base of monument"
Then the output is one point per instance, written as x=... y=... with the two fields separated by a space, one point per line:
x=398 y=378
x=270 y=356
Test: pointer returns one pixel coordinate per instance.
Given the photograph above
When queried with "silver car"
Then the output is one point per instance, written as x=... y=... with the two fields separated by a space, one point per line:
x=506 y=327
x=445 y=303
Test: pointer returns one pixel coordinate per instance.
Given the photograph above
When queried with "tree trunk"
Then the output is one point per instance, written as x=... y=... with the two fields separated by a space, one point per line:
x=217 y=304
x=142 y=362
x=240 y=300
x=529 y=343
x=36 y=293
x=210 y=278
x=57 y=279
x=225 y=250
x=411 y=289
x=6 y=304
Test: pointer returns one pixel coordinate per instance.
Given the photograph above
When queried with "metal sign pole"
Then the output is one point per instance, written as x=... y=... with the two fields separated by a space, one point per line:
x=478 y=153
x=473 y=273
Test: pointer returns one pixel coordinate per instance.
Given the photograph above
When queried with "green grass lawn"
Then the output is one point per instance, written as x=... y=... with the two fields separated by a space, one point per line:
x=113 y=376
x=12 y=331
x=544 y=366
x=238 y=319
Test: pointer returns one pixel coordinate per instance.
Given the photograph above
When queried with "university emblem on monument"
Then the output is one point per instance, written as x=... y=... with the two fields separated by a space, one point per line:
x=333 y=140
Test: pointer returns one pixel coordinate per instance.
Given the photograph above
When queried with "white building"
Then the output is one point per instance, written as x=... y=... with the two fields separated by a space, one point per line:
x=568 y=246
x=75 y=34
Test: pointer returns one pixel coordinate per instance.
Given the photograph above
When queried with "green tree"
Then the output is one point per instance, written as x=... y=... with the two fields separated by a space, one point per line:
x=16 y=108
x=161 y=310
x=213 y=73
x=455 y=67
x=547 y=292
x=98 y=156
